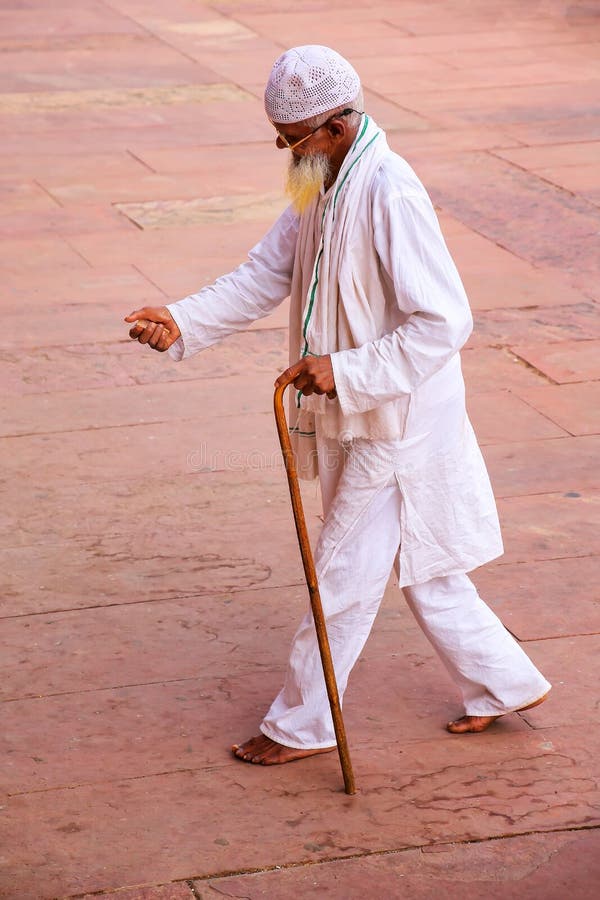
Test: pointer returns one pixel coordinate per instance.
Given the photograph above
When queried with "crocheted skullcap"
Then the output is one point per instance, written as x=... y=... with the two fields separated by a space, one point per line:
x=307 y=81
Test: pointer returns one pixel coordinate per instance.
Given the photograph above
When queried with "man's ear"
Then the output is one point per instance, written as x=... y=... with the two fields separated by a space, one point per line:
x=337 y=129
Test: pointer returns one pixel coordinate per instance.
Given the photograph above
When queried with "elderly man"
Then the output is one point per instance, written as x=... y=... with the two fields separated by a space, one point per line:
x=378 y=317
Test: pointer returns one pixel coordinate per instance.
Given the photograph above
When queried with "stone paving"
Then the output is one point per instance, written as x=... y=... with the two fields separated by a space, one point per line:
x=151 y=580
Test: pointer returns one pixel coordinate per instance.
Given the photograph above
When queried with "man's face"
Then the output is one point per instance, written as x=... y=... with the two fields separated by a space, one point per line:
x=301 y=140
x=310 y=161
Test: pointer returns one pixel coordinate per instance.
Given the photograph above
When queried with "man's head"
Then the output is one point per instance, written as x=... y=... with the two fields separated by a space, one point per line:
x=314 y=100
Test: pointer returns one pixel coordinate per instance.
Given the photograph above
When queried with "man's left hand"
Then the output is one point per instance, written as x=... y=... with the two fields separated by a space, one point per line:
x=311 y=375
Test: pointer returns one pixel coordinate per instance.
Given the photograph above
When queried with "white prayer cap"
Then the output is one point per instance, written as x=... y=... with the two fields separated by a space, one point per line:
x=307 y=81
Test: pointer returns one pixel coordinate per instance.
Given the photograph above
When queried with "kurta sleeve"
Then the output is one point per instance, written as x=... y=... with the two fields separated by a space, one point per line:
x=250 y=292
x=426 y=287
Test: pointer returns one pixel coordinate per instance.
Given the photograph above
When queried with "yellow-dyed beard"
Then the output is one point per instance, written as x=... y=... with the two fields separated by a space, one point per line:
x=305 y=178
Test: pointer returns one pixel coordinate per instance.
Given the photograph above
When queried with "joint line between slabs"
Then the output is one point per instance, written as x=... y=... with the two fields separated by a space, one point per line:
x=142 y=162
x=119 y=779
x=545 y=415
x=519 y=562
x=535 y=265
x=99 y=690
x=149 y=423
x=77 y=253
x=121 y=687
x=147 y=278
x=200 y=595
x=189 y=881
x=48 y=193
x=395 y=851
x=150 y=33
x=527 y=365
x=548 y=181
x=553 y=637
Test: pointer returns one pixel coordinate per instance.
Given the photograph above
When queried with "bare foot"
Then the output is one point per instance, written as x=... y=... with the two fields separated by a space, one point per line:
x=476 y=724
x=470 y=724
x=262 y=751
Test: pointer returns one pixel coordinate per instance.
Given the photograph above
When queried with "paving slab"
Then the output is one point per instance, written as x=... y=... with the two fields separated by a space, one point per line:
x=550 y=525
x=480 y=74
x=132 y=59
x=66 y=168
x=502 y=784
x=17 y=257
x=551 y=866
x=57 y=220
x=194 y=447
x=179 y=244
x=486 y=368
x=65 y=322
x=223 y=554
x=135 y=405
x=97 y=736
x=418 y=145
x=522 y=284
x=169 y=174
x=571 y=666
x=536 y=326
x=505 y=104
x=41 y=290
x=191 y=722
x=25 y=196
x=539 y=159
x=583 y=128
x=544 y=598
x=120 y=505
x=87 y=19
x=174 y=891
x=137 y=643
x=500 y=417
x=520 y=222
x=200 y=211
x=568 y=55
x=293 y=29
x=568 y=361
x=125 y=363
x=575 y=407
x=56 y=576
x=116 y=132
x=581 y=180
x=543 y=466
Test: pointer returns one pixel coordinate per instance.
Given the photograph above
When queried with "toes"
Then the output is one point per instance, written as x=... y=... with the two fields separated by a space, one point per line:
x=253 y=750
x=271 y=755
x=243 y=750
x=470 y=724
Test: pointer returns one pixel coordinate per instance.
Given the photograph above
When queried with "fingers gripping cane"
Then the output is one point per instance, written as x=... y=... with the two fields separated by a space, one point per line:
x=313 y=589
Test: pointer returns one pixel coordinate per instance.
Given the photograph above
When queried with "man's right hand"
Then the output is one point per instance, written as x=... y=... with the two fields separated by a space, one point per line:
x=155 y=326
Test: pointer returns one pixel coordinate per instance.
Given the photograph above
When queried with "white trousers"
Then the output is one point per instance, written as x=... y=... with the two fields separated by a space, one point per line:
x=355 y=554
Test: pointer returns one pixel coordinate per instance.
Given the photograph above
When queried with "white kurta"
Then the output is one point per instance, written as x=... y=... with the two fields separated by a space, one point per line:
x=403 y=480
x=422 y=318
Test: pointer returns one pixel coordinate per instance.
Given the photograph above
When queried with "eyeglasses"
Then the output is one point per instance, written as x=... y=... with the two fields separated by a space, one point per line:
x=292 y=146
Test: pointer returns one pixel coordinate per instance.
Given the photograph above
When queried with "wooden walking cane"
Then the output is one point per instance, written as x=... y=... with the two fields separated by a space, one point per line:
x=313 y=588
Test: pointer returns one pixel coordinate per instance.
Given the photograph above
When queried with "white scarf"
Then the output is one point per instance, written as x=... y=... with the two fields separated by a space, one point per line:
x=344 y=305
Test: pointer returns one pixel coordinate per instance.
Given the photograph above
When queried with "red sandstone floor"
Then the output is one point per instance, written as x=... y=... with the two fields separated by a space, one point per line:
x=151 y=578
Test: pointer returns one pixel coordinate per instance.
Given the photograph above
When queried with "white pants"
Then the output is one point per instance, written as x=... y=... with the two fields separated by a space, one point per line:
x=354 y=557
